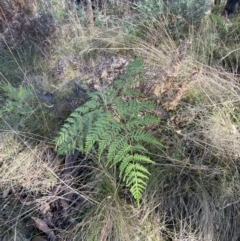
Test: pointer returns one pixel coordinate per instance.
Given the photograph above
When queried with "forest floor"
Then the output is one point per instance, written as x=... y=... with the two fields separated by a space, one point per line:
x=84 y=108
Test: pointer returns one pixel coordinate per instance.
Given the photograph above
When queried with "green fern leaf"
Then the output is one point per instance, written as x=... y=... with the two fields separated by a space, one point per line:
x=124 y=164
x=120 y=141
x=73 y=116
x=137 y=191
x=97 y=130
x=111 y=133
x=141 y=121
x=121 y=154
x=135 y=177
x=135 y=67
x=133 y=170
x=136 y=158
x=142 y=136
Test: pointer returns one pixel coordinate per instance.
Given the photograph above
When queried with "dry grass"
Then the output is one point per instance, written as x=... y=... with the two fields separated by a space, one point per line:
x=24 y=166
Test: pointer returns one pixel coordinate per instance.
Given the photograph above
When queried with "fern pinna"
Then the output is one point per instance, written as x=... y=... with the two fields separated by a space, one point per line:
x=112 y=124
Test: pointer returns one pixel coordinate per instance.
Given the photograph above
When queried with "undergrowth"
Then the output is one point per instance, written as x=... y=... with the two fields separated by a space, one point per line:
x=147 y=148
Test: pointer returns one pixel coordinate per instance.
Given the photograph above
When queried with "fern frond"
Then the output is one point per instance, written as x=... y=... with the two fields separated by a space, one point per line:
x=121 y=154
x=116 y=145
x=135 y=67
x=104 y=142
x=112 y=132
x=141 y=121
x=132 y=108
x=132 y=172
x=113 y=124
x=148 y=119
x=97 y=130
x=74 y=130
x=126 y=164
x=90 y=105
x=137 y=190
x=132 y=92
x=142 y=136
x=135 y=176
x=136 y=158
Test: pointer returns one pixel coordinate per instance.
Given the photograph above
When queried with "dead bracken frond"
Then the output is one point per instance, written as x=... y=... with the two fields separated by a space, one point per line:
x=167 y=86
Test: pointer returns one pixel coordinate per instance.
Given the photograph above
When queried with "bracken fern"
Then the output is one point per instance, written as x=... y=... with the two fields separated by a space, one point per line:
x=113 y=125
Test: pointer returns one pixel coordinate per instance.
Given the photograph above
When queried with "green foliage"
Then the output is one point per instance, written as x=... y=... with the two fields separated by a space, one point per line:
x=21 y=110
x=177 y=17
x=113 y=125
x=17 y=106
x=217 y=20
x=190 y=10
